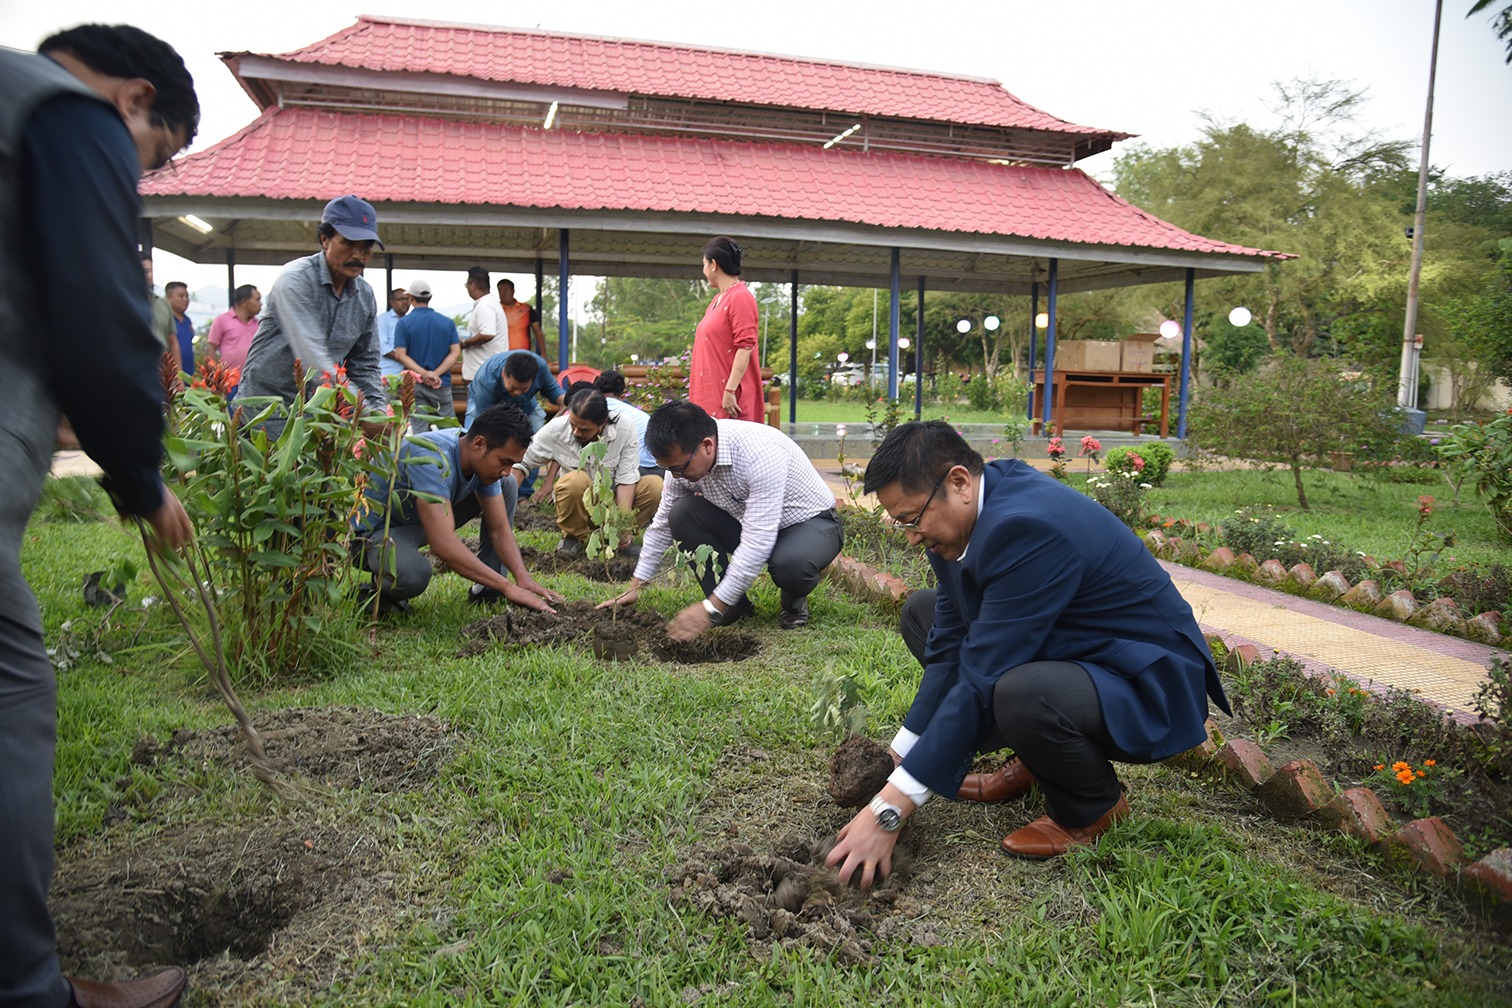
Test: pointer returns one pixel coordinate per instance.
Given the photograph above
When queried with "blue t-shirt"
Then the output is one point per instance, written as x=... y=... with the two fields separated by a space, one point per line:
x=487 y=387
x=427 y=336
x=185 y=329
x=429 y=463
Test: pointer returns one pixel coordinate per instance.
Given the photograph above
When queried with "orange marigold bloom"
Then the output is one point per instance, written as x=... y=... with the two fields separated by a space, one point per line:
x=1399 y=765
x=1429 y=762
x=1380 y=766
x=1406 y=777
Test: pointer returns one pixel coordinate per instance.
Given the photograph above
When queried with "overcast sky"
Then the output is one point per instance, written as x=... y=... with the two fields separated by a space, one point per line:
x=1150 y=68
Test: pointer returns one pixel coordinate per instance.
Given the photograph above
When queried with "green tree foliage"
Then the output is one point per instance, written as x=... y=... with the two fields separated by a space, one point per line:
x=1312 y=185
x=1295 y=412
x=1501 y=23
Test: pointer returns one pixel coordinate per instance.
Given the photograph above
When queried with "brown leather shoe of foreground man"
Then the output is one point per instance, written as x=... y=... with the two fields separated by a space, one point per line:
x=161 y=990
x=1045 y=838
x=1011 y=781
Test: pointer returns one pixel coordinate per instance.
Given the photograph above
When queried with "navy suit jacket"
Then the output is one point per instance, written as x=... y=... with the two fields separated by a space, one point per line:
x=1051 y=575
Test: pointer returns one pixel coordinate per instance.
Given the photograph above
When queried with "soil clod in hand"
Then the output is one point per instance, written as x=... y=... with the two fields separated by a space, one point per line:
x=858 y=769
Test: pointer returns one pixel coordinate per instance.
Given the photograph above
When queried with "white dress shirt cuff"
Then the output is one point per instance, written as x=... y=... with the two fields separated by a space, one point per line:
x=909 y=785
x=904 y=741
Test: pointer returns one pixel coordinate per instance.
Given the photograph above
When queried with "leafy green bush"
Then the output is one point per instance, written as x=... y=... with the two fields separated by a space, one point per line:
x=1256 y=532
x=73 y=499
x=1482 y=453
x=1154 y=461
x=980 y=394
x=1121 y=492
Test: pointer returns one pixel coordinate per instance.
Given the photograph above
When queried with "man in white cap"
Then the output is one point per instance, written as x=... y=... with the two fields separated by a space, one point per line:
x=425 y=342
x=321 y=311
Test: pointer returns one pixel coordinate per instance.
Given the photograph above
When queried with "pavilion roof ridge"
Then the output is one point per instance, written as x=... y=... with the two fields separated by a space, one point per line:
x=675 y=70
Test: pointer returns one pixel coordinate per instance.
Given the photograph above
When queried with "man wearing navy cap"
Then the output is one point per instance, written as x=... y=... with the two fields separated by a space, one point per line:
x=323 y=312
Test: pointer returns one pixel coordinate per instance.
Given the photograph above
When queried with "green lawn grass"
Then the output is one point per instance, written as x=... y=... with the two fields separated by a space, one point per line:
x=531 y=872
x=1359 y=509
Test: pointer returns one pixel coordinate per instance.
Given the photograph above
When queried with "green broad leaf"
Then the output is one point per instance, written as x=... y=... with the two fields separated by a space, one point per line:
x=268 y=558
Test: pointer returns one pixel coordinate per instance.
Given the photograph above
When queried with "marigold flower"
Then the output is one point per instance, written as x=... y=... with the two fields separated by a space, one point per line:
x=1380 y=766
x=1429 y=762
x=1330 y=692
x=1400 y=765
x=1405 y=777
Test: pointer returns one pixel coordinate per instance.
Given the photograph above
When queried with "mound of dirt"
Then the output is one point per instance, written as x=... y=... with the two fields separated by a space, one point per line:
x=573 y=623
x=789 y=897
x=858 y=769
x=336 y=747
x=621 y=568
x=714 y=646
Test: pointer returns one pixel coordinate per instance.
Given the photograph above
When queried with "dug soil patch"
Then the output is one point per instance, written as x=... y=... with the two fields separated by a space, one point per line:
x=334 y=747
x=293 y=894
x=621 y=568
x=636 y=629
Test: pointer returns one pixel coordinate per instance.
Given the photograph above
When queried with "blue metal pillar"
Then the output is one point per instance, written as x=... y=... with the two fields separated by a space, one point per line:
x=919 y=355
x=388 y=280
x=1049 y=402
x=1186 y=357
x=792 y=388
x=540 y=283
x=564 y=337
x=231 y=274
x=1033 y=343
x=892 y=328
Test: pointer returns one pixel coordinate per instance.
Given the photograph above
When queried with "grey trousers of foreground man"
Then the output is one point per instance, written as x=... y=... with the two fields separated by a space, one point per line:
x=411 y=571
x=29 y=972
x=798 y=558
x=1048 y=713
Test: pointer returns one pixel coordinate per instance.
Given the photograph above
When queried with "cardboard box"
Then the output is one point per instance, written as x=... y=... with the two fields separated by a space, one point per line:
x=1088 y=355
x=1139 y=352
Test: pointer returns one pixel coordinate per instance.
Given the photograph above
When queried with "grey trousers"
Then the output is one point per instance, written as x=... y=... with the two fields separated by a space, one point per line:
x=431 y=402
x=29 y=972
x=410 y=572
x=1049 y=714
x=798 y=558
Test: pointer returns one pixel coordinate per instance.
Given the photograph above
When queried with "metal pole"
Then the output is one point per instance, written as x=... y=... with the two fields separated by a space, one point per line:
x=1045 y=406
x=1407 y=388
x=230 y=274
x=892 y=326
x=919 y=355
x=1186 y=357
x=540 y=282
x=793 y=350
x=563 y=360
x=388 y=278
x=1033 y=344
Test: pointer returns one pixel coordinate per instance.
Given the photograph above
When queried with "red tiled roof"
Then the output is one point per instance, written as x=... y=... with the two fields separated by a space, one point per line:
x=679 y=71
x=307 y=154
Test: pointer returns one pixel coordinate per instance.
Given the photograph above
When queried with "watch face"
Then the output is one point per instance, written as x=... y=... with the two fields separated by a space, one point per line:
x=889 y=819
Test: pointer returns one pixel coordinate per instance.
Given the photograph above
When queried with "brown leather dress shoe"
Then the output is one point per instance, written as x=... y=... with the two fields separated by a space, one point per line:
x=1045 y=838
x=161 y=990
x=1012 y=781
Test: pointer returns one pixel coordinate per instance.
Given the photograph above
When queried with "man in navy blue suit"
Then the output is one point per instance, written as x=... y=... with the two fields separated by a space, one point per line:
x=1053 y=632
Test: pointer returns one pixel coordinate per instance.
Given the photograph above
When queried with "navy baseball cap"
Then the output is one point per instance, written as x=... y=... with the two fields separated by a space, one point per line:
x=353 y=218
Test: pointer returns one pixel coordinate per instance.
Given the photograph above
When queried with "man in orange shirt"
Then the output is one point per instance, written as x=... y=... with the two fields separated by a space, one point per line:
x=523 y=320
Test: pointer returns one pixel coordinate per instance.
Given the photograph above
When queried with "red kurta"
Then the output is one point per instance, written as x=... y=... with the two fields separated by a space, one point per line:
x=727 y=326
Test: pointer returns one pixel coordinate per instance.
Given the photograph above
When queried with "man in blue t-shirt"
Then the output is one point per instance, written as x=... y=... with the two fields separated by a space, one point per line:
x=425 y=342
x=445 y=479
x=514 y=376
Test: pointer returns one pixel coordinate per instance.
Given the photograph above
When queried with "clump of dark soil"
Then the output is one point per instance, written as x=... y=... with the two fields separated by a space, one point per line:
x=621 y=637
x=530 y=517
x=788 y=897
x=573 y=623
x=336 y=747
x=713 y=646
x=621 y=568
x=858 y=769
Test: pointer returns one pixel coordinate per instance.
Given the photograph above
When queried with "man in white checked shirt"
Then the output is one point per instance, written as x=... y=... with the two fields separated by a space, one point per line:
x=748 y=491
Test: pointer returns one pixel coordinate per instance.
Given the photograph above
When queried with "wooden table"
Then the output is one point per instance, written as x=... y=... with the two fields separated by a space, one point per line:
x=1100 y=400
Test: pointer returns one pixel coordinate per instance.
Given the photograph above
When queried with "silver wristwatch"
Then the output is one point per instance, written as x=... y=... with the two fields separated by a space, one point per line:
x=889 y=816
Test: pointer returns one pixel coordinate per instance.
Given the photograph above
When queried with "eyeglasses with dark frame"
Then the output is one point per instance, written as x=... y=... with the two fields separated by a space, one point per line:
x=679 y=470
x=909 y=525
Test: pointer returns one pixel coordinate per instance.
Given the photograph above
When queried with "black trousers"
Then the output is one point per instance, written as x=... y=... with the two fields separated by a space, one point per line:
x=798 y=558
x=1049 y=714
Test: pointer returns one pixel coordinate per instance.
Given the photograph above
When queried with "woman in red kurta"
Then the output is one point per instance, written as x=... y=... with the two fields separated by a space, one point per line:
x=724 y=378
